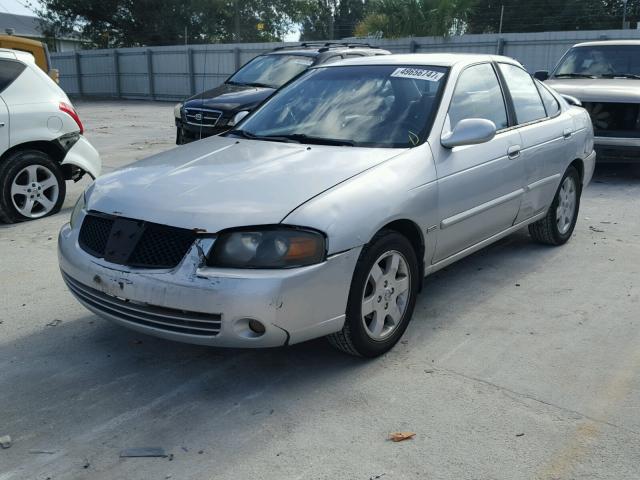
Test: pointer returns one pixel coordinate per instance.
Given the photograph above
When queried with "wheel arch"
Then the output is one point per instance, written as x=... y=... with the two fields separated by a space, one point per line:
x=54 y=150
x=411 y=231
x=578 y=164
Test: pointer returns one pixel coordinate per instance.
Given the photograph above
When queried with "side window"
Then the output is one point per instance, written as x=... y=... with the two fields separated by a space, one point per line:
x=9 y=71
x=551 y=105
x=526 y=99
x=478 y=95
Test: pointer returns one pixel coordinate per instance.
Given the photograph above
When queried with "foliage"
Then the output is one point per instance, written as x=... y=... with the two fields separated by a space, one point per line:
x=127 y=23
x=331 y=19
x=550 y=15
x=404 y=18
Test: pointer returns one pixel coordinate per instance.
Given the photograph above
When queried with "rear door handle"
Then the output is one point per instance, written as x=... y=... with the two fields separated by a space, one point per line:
x=567 y=133
x=2 y=124
x=514 y=151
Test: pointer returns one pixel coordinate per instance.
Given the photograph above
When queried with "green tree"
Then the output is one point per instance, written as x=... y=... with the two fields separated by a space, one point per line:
x=129 y=23
x=404 y=18
x=550 y=15
x=331 y=19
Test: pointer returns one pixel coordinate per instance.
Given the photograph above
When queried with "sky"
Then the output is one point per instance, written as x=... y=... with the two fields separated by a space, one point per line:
x=16 y=6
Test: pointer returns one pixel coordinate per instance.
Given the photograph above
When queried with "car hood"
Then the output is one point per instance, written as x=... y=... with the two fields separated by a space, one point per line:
x=222 y=182
x=230 y=97
x=599 y=89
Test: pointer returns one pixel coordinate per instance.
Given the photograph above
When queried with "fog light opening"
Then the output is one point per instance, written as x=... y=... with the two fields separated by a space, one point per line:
x=256 y=327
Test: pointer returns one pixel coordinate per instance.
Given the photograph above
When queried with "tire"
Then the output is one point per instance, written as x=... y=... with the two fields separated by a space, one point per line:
x=31 y=186
x=179 y=136
x=363 y=335
x=557 y=226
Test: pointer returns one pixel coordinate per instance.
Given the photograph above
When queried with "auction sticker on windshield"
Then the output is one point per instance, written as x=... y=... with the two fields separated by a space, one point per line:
x=417 y=74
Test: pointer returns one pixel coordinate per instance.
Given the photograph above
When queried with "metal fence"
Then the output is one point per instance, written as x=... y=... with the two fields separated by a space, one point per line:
x=176 y=72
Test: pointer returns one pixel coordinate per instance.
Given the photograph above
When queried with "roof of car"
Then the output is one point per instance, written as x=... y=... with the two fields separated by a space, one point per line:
x=434 y=59
x=316 y=48
x=600 y=43
x=16 y=54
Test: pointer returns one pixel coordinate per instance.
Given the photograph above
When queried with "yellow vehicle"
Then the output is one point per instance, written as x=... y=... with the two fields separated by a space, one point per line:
x=38 y=49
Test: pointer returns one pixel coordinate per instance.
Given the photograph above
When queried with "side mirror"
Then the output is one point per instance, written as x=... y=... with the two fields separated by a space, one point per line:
x=238 y=118
x=541 y=75
x=469 y=131
x=572 y=100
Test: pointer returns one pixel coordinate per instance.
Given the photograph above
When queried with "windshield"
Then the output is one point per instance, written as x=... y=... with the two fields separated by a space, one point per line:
x=601 y=61
x=271 y=70
x=379 y=105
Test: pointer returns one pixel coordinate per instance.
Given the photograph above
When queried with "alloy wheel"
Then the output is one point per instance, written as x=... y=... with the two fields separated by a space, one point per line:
x=386 y=295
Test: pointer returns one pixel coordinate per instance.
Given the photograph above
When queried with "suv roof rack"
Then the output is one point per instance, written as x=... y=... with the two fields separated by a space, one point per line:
x=324 y=46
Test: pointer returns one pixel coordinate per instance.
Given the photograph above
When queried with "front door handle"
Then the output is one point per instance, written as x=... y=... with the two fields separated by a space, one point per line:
x=2 y=124
x=567 y=133
x=514 y=151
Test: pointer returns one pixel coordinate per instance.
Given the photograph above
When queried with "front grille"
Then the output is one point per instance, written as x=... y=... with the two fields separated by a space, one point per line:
x=202 y=116
x=614 y=119
x=162 y=318
x=134 y=243
x=94 y=234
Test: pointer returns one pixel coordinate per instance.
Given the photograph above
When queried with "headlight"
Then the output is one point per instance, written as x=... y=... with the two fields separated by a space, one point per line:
x=177 y=110
x=237 y=118
x=275 y=247
x=77 y=210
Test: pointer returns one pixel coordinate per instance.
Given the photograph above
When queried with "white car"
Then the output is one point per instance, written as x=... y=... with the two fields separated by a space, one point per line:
x=41 y=141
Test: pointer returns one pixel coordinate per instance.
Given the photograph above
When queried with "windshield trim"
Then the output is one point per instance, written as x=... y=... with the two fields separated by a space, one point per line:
x=424 y=134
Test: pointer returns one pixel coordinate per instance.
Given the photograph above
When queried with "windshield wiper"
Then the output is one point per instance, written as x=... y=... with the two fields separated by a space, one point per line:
x=620 y=75
x=574 y=75
x=302 y=138
x=259 y=85
x=268 y=138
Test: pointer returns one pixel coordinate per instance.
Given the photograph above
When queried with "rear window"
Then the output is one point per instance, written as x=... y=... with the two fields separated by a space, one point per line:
x=9 y=71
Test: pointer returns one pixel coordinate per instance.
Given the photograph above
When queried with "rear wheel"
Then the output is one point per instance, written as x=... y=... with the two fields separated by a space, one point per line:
x=382 y=297
x=31 y=186
x=557 y=226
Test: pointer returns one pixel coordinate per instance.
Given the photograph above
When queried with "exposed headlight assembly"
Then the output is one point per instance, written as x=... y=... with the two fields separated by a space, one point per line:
x=268 y=247
x=77 y=210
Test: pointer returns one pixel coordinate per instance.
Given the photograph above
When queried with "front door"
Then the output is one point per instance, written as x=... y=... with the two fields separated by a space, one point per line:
x=479 y=186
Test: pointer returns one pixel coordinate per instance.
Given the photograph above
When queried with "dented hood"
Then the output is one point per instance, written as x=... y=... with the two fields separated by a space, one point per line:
x=221 y=182
x=614 y=90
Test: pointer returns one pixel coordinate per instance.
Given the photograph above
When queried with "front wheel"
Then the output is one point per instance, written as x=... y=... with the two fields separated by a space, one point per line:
x=382 y=297
x=31 y=186
x=557 y=226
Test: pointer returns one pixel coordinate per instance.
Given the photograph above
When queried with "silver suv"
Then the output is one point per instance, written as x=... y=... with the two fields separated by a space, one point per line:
x=605 y=77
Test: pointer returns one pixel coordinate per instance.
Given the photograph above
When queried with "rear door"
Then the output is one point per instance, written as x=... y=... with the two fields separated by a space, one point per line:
x=544 y=131
x=479 y=186
x=9 y=71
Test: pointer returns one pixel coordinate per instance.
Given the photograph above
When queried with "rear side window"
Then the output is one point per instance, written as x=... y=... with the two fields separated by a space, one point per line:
x=526 y=99
x=478 y=95
x=9 y=71
x=550 y=103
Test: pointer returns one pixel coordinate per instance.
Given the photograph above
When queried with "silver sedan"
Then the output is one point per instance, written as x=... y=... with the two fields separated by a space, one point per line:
x=322 y=212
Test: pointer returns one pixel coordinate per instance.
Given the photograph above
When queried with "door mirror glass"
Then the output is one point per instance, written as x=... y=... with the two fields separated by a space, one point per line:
x=541 y=75
x=469 y=131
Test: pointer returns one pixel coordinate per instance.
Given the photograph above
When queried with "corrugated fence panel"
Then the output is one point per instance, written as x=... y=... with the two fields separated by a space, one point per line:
x=179 y=71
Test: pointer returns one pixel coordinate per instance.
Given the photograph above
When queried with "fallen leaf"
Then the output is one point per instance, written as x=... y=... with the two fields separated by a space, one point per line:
x=54 y=323
x=401 y=436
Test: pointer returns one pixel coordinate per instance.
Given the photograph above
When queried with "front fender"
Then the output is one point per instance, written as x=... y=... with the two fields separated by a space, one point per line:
x=84 y=156
x=351 y=213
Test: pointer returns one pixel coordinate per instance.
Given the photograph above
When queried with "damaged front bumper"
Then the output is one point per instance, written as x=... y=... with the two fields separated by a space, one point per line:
x=197 y=304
